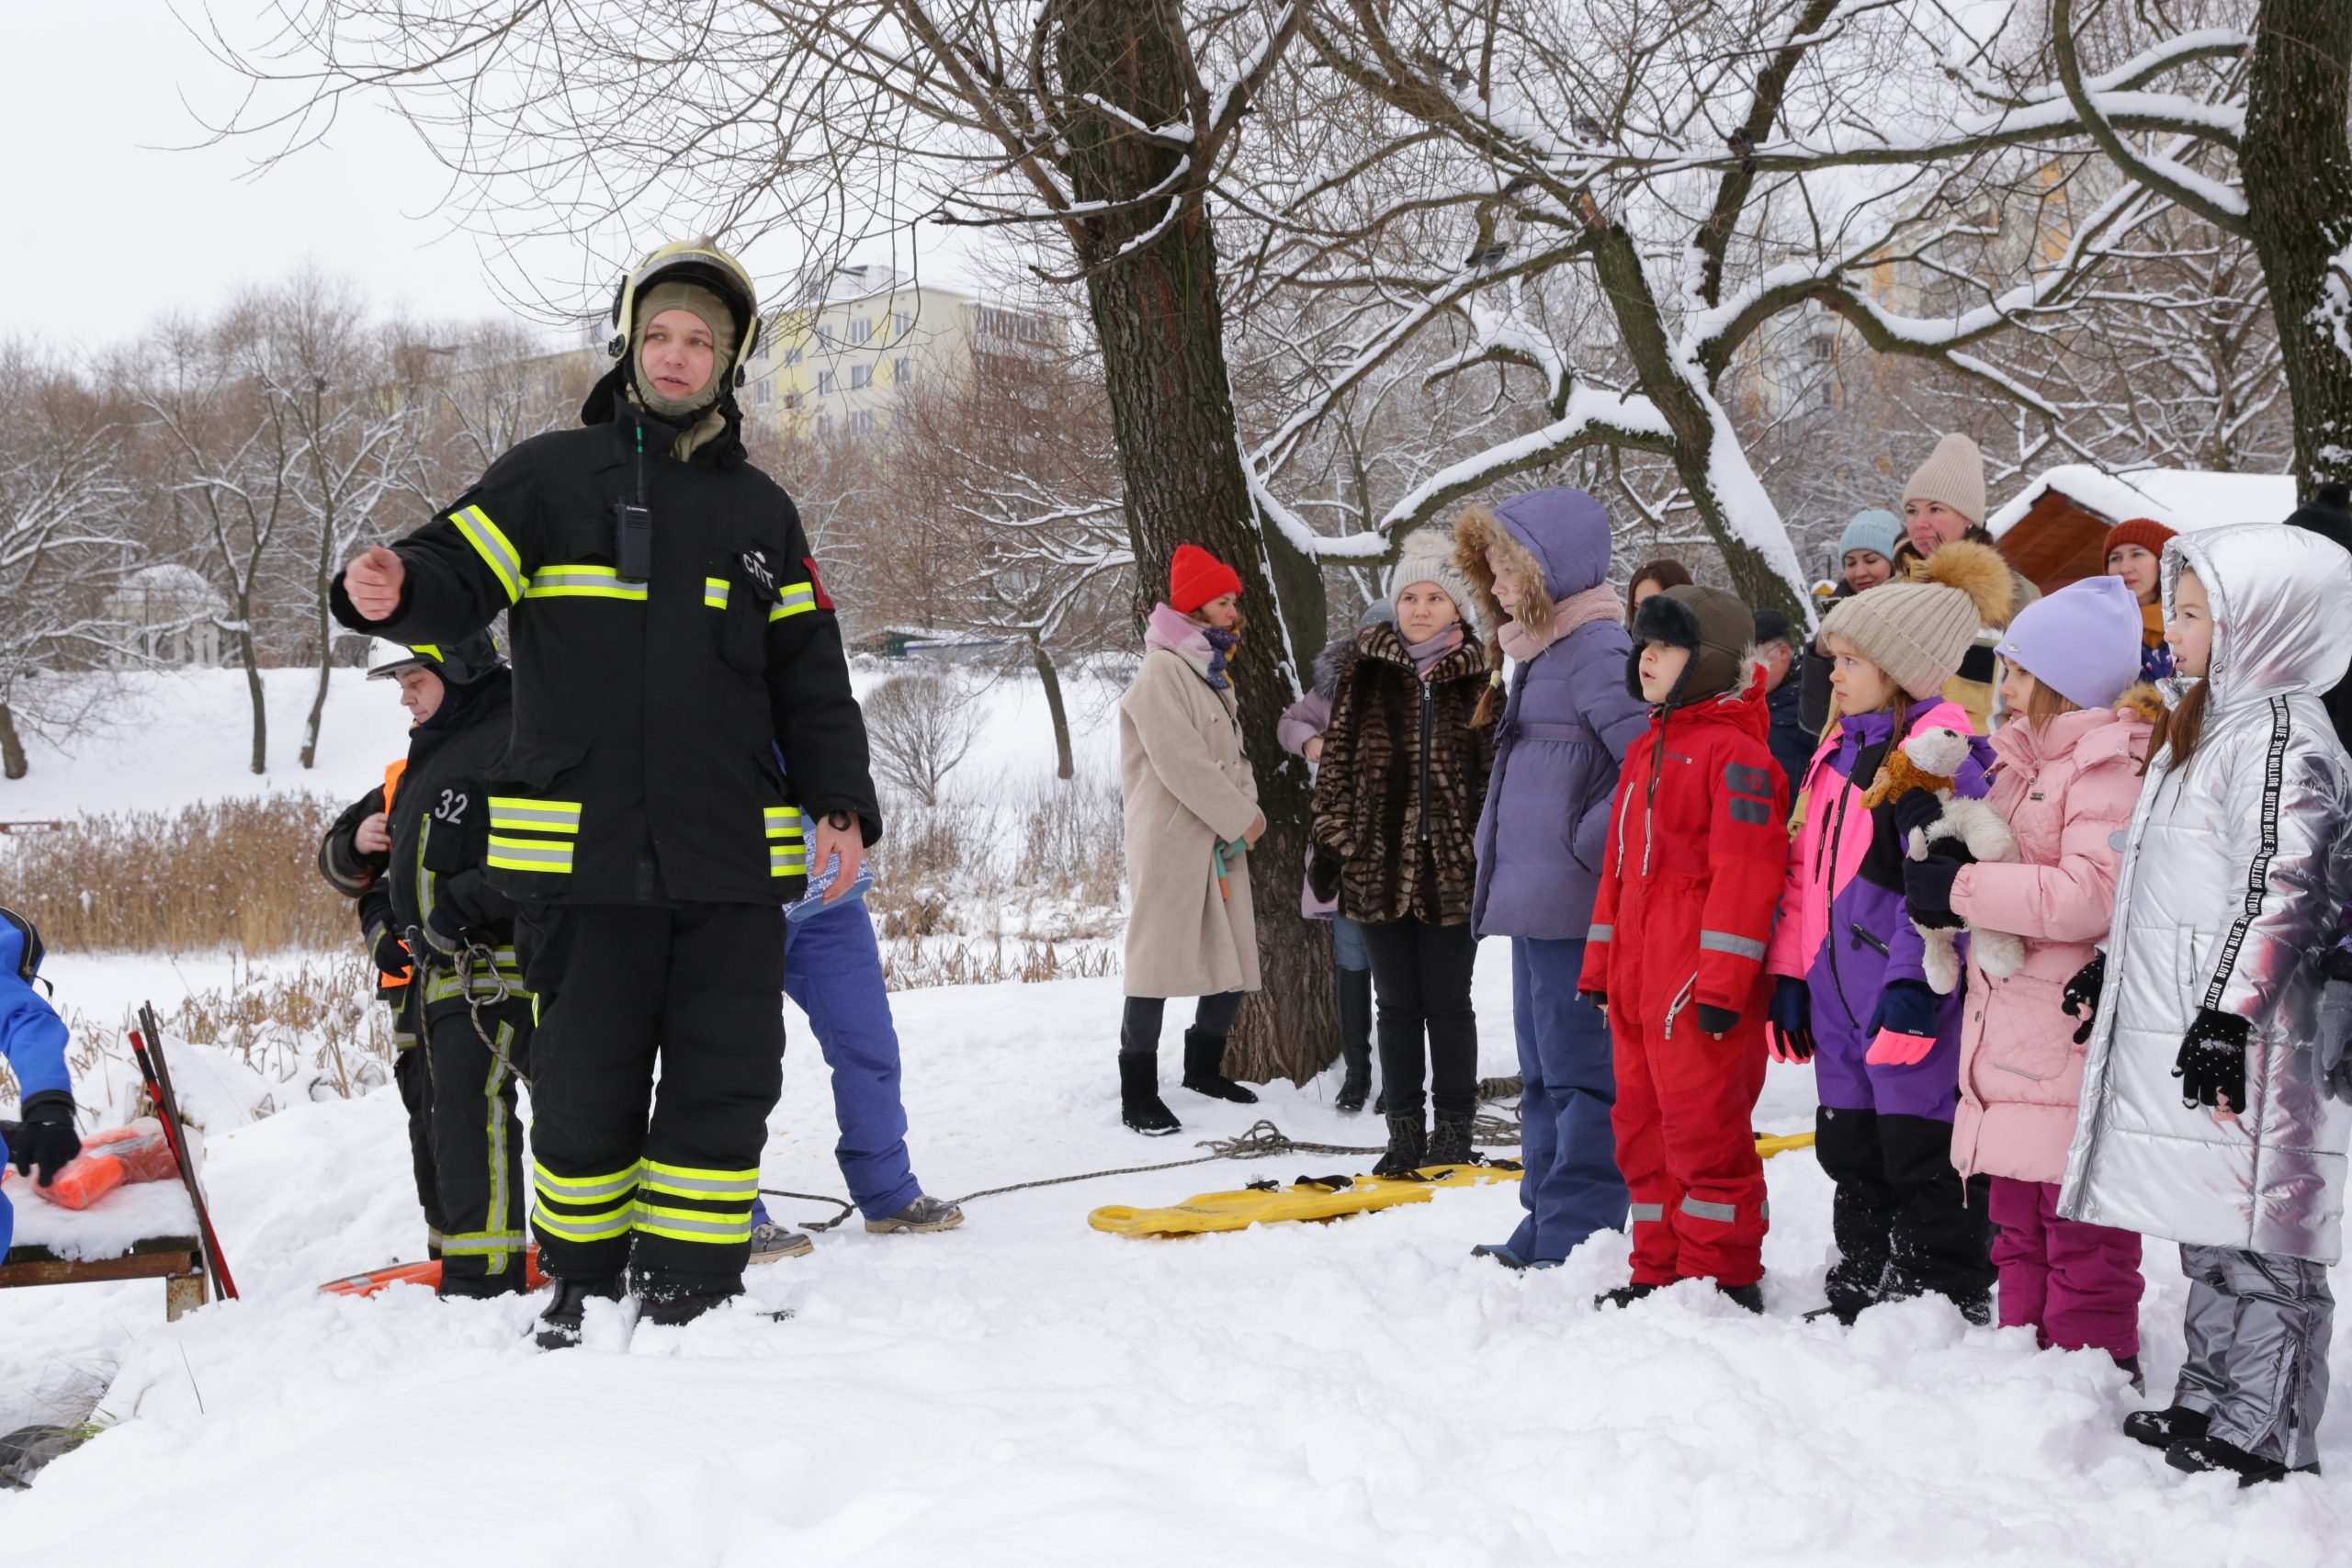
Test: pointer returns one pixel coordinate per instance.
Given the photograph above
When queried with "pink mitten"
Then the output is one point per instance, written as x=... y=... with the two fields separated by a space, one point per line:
x=1893 y=1050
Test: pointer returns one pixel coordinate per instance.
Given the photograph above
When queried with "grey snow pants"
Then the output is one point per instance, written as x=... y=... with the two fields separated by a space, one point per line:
x=2258 y=1327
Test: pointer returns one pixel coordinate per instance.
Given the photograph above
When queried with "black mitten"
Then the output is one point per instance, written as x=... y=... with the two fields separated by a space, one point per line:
x=2080 y=999
x=46 y=1138
x=2212 y=1064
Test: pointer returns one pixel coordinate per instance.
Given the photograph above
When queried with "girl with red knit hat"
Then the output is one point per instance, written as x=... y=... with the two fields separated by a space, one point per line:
x=1191 y=816
x=2135 y=552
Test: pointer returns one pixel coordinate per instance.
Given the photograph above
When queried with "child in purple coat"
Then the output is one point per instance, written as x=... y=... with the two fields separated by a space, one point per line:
x=1539 y=566
x=1853 y=997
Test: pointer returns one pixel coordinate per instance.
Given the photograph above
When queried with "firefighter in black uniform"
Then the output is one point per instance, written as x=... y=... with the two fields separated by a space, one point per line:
x=669 y=628
x=354 y=855
x=467 y=1002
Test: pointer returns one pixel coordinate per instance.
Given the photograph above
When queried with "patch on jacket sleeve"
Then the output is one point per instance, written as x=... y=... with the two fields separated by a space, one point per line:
x=824 y=600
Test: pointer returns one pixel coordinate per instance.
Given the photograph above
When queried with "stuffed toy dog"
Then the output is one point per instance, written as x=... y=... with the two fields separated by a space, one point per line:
x=1963 y=830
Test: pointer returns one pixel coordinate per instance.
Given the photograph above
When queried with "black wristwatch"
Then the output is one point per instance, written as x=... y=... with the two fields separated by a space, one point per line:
x=841 y=822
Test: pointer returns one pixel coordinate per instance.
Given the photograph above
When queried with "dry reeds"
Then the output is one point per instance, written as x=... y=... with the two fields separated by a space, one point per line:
x=235 y=873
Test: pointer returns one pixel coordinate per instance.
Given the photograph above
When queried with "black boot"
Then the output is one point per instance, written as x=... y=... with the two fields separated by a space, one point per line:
x=2163 y=1428
x=1751 y=1297
x=675 y=1302
x=2210 y=1452
x=1204 y=1059
x=1355 y=1038
x=1140 y=1106
x=1624 y=1295
x=559 y=1324
x=1450 y=1142
x=1407 y=1142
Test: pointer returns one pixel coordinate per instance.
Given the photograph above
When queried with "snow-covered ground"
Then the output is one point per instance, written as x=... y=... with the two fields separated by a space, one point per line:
x=1029 y=1390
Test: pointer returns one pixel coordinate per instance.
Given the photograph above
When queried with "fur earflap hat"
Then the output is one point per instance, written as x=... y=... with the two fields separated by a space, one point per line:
x=1918 y=628
x=1714 y=625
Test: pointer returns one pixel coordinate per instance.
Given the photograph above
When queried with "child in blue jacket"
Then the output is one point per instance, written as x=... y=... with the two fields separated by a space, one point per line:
x=32 y=1038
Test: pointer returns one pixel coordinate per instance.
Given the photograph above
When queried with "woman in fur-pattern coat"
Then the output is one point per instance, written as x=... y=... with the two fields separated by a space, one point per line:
x=1395 y=828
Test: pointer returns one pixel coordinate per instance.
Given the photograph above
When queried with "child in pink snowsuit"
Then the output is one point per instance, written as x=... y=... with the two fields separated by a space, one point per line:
x=2065 y=779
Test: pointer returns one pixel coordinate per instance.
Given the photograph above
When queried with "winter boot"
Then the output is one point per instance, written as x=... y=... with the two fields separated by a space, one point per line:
x=772 y=1243
x=2210 y=1452
x=1204 y=1062
x=2130 y=1366
x=568 y=1305
x=923 y=1216
x=1749 y=1296
x=1407 y=1142
x=1624 y=1295
x=2163 y=1428
x=1355 y=1038
x=1450 y=1142
x=1139 y=1103
x=1845 y=1312
x=676 y=1301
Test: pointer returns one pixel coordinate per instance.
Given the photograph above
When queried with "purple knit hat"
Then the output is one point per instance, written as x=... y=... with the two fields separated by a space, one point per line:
x=2082 y=642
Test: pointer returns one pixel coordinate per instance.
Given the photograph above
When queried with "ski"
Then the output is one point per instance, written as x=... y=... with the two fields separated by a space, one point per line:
x=148 y=1048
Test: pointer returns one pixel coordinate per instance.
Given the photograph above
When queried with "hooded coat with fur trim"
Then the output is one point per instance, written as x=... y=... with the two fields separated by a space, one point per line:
x=1566 y=723
x=2066 y=788
x=1403 y=781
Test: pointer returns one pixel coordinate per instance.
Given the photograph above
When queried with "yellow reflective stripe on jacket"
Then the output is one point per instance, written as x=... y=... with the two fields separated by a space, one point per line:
x=603 y=1226
x=797 y=600
x=522 y=815
x=694 y=1224
x=580 y=581
x=783 y=822
x=530 y=855
x=689 y=1181
x=497 y=551
x=713 y=592
x=788 y=860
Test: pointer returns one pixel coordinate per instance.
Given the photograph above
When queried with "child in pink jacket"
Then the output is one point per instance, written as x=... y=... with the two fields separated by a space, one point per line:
x=2065 y=779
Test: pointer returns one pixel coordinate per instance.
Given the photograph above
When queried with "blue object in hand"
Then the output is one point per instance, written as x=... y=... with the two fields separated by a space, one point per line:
x=813 y=902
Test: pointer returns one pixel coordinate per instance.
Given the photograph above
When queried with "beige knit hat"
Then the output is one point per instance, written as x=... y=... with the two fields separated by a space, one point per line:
x=1428 y=556
x=1919 y=628
x=1953 y=474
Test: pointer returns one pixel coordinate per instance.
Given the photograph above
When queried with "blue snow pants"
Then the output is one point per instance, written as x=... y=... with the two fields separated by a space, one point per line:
x=832 y=972
x=1571 y=1187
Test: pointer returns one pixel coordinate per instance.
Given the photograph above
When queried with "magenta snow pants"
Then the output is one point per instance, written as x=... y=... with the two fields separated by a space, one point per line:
x=2077 y=1286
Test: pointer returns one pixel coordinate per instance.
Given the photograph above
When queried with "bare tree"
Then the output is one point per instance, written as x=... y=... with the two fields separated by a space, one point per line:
x=922 y=726
x=65 y=541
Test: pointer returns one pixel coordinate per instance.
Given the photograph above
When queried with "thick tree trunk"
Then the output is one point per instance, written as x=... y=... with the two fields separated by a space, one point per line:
x=1049 y=678
x=1161 y=326
x=2298 y=174
x=13 y=762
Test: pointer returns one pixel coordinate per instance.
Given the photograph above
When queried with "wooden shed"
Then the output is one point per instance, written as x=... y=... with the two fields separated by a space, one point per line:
x=2054 y=530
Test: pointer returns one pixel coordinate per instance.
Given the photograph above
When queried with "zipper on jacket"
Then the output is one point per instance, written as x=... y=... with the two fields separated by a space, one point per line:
x=1681 y=1000
x=1823 y=870
x=1423 y=836
x=1649 y=831
x=1864 y=939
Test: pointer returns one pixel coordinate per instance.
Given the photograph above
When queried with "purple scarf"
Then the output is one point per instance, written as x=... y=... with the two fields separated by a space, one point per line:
x=1425 y=655
x=1202 y=647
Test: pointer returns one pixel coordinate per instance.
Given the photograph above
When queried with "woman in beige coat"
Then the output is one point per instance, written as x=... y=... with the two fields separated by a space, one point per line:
x=1192 y=816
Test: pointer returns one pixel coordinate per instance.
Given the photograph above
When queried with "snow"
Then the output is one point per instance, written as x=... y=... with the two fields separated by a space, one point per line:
x=2183 y=499
x=1026 y=1390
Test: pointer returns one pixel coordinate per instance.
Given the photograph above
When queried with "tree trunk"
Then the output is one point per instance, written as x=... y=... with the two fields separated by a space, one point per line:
x=13 y=762
x=2298 y=174
x=1051 y=680
x=1161 y=326
x=252 y=657
x=319 y=698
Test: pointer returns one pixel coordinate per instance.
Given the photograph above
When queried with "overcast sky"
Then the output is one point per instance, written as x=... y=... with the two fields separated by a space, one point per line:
x=120 y=217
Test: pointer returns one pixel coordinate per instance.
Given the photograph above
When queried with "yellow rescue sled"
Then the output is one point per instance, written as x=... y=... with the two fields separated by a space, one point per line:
x=1327 y=1197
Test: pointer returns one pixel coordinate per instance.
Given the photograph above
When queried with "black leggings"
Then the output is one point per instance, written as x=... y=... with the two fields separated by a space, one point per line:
x=1421 y=976
x=1139 y=1029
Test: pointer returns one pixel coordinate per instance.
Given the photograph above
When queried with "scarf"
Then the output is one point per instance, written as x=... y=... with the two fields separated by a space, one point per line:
x=2151 y=625
x=1202 y=647
x=1425 y=655
x=1599 y=602
x=1220 y=643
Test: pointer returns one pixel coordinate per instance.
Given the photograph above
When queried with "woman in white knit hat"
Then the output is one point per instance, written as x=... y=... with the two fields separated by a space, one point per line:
x=1395 y=828
x=1943 y=501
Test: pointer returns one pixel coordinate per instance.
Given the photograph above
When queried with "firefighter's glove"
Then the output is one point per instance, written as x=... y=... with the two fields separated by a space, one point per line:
x=2212 y=1064
x=45 y=1138
x=384 y=950
x=1792 y=1021
x=2080 y=999
x=444 y=935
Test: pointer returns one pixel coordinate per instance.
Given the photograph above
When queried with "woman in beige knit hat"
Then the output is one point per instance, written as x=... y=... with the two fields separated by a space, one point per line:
x=1944 y=502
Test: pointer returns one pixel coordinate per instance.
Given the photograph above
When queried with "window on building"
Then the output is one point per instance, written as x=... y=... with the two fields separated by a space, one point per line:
x=861 y=330
x=792 y=400
x=860 y=376
x=901 y=323
x=792 y=354
x=903 y=372
x=862 y=423
x=824 y=426
x=763 y=392
x=824 y=383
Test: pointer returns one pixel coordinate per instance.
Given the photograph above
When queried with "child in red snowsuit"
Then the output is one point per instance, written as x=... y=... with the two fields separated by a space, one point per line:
x=1689 y=884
